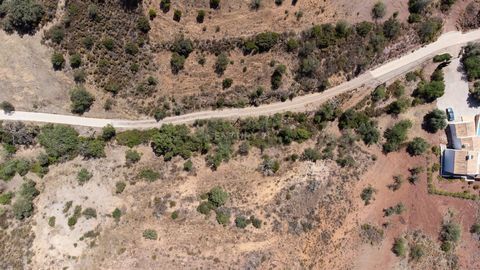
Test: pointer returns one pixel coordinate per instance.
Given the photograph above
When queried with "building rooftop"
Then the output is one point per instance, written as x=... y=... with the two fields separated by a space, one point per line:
x=461 y=162
x=465 y=128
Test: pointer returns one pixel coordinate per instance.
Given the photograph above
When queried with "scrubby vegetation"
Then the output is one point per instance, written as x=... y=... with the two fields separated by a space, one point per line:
x=367 y=194
x=435 y=120
x=396 y=136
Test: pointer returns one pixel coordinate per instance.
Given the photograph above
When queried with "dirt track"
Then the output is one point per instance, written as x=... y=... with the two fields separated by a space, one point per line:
x=304 y=103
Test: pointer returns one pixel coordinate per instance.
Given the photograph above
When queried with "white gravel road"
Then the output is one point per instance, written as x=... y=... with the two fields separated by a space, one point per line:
x=304 y=103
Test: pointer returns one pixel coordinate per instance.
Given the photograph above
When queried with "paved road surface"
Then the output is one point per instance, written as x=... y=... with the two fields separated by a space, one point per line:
x=308 y=102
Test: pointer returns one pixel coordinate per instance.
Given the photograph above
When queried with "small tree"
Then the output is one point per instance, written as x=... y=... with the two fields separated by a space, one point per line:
x=417 y=146
x=221 y=63
x=150 y=234
x=201 y=16
x=75 y=60
x=57 y=60
x=400 y=247
x=7 y=107
x=143 y=24
x=214 y=4
x=379 y=10
x=177 y=15
x=177 y=62
x=435 y=120
x=81 y=100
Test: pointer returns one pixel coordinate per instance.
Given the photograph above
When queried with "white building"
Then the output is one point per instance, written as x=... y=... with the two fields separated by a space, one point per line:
x=463 y=158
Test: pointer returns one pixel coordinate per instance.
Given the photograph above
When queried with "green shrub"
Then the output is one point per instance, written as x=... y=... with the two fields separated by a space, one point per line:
x=311 y=154
x=116 y=214
x=143 y=24
x=399 y=106
x=152 y=13
x=108 y=43
x=416 y=252
x=292 y=45
x=430 y=29
x=150 y=234
x=442 y=58
x=120 y=187
x=205 y=208
x=396 y=135
x=149 y=175
x=177 y=63
x=88 y=42
x=475 y=228
x=471 y=61
x=417 y=146
x=165 y=5
x=450 y=232
x=6 y=198
x=379 y=93
x=134 y=137
x=201 y=16
x=379 y=10
x=241 y=222
x=92 y=148
x=60 y=142
x=400 y=247
x=223 y=217
x=177 y=15
x=90 y=213
x=81 y=100
x=51 y=221
x=392 y=28
x=257 y=223
x=265 y=41
x=132 y=156
x=108 y=132
x=22 y=208
x=56 y=34
x=269 y=166
x=221 y=63
x=435 y=120
x=367 y=194
x=75 y=60
x=131 y=48
x=57 y=60
x=171 y=141
x=83 y=176
x=79 y=76
x=7 y=107
x=227 y=83
x=217 y=196
x=23 y=16
x=214 y=4
x=276 y=79
x=188 y=166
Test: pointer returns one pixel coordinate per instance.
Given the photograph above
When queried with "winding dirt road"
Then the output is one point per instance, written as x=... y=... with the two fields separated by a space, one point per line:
x=308 y=102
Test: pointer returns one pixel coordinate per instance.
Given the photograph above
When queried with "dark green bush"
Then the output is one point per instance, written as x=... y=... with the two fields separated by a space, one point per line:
x=165 y=5
x=177 y=15
x=83 y=176
x=81 y=100
x=400 y=247
x=108 y=132
x=132 y=156
x=201 y=16
x=143 y=24
x=60 y=142
x=227 y=83
x=379 y=10
x=265 y=41
x=221 y=63
x=396 y=135
x=367 y=194
x=22 y=16
x=75 y=60
x=177 y=62
x=57 y=61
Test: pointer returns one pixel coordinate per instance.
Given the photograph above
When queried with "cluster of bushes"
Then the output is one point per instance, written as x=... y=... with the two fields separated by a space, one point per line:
x=396 y=209
x=362 y=124
x=396 y=136
x=215 y=199
x=242 y=222
x=23 y=16
x=430 y=91
x=450 y=235
x=11 y=167
x=23 y=205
